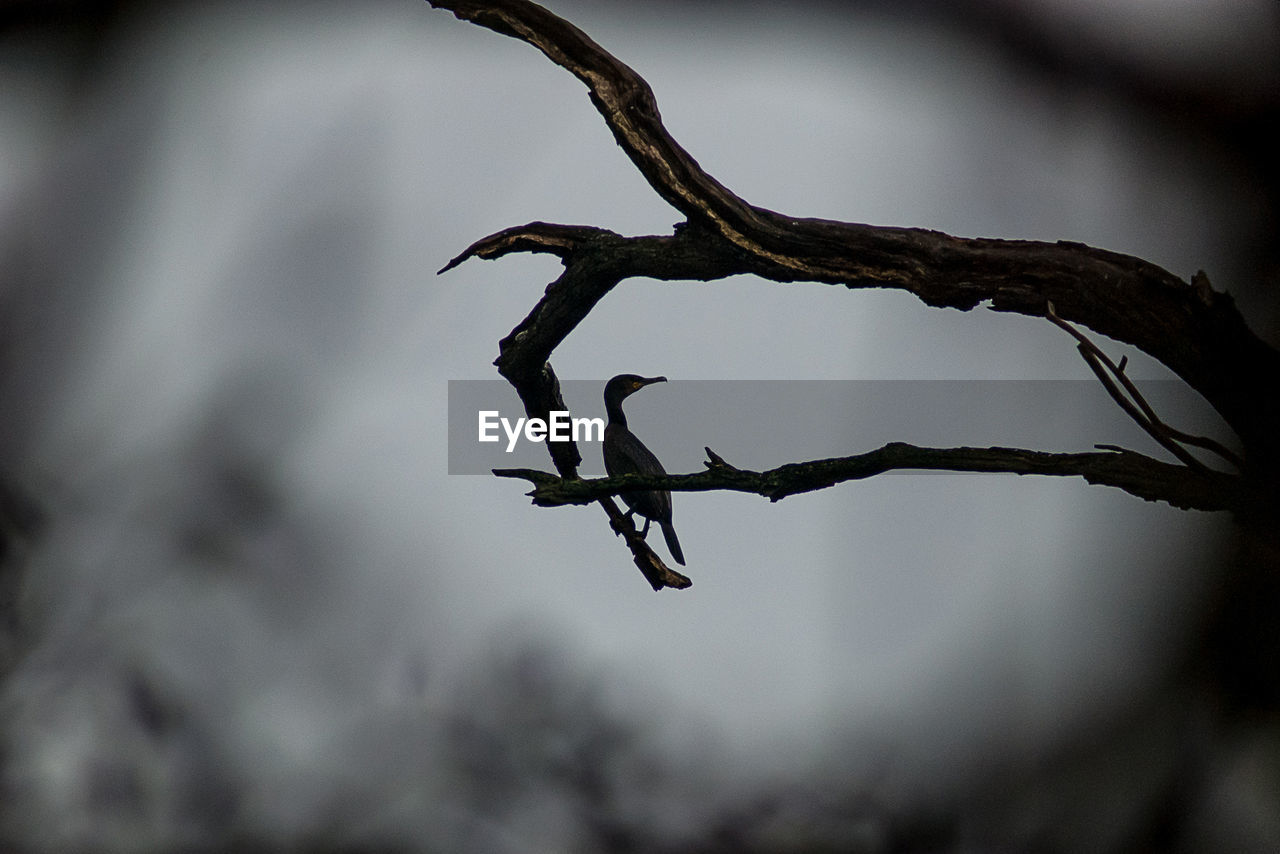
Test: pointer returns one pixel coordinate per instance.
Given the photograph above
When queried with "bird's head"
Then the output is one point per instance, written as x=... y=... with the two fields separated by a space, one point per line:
x=625 y=384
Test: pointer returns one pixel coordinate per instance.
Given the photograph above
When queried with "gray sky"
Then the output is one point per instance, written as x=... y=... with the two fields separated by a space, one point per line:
x=244 y=223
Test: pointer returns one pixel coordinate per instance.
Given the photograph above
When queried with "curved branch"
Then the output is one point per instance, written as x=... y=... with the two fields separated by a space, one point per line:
x=1135 y=405
x=1196 y=331
x=1135 y=473
x=626 y=102
x=595 y=260
x=548 y=237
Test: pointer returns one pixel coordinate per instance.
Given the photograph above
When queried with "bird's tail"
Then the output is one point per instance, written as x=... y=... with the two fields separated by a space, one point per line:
x=673 y=545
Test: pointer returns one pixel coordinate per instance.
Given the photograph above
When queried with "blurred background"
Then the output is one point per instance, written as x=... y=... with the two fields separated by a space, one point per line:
x=244 y=604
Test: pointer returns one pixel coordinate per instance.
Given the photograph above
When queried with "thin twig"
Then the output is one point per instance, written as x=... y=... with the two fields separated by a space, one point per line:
x=1135 y=405
x=1206 y=443
x=1147 y=423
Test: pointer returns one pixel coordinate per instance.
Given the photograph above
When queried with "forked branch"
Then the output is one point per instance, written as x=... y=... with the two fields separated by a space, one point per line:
x=1135 y=405
x=1195 y=331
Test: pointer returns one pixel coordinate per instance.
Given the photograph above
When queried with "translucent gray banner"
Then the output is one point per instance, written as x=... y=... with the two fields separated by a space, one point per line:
x=760 y=424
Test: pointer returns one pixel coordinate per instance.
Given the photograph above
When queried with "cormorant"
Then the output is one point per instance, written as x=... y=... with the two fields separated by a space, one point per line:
x=625 y=454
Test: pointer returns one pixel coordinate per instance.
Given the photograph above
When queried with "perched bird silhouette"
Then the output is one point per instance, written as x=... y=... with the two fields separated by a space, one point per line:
x=625 y=454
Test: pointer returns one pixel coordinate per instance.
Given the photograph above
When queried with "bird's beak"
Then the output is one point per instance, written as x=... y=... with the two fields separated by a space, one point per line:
x=651 y=380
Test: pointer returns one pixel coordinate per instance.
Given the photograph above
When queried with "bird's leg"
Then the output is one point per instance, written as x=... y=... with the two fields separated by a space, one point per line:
x=645 y=532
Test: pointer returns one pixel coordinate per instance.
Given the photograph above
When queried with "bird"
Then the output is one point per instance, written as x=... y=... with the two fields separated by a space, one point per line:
x=625 y=454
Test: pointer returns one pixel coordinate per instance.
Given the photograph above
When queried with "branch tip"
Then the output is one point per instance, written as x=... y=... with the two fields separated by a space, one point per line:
x=715 y=461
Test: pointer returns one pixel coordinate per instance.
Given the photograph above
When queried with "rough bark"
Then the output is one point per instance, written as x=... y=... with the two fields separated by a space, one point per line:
x=1194 y=330
x=1134 y=473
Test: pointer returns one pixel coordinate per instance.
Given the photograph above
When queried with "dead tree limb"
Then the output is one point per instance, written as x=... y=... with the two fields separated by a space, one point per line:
x=1135 y=473
x=1195 y=331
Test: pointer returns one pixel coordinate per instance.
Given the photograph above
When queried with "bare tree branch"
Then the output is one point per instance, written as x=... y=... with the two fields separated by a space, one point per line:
x=562 y=240
x=1195 y=331
x=1135 y=473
